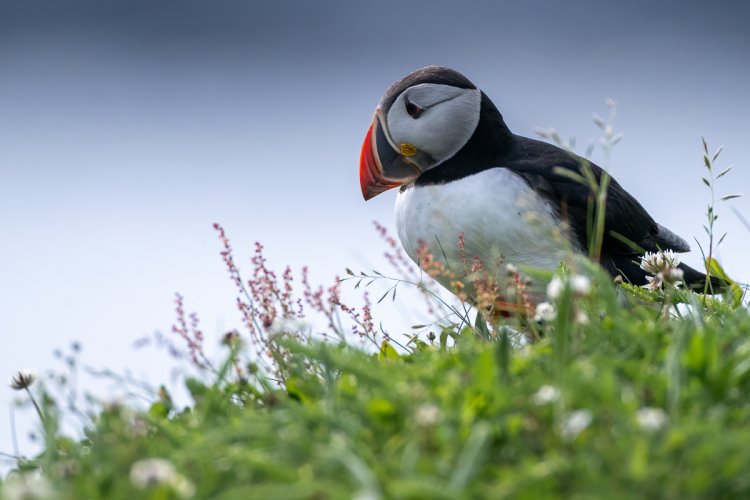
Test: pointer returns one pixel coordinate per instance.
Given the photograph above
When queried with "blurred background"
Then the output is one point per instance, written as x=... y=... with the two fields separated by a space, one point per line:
x=128 y=128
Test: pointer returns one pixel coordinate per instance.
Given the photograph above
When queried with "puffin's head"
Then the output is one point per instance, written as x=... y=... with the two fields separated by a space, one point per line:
x=422 y=120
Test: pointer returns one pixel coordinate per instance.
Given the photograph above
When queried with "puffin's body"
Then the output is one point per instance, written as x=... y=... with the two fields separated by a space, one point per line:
x=466 y=178
x=490 y=212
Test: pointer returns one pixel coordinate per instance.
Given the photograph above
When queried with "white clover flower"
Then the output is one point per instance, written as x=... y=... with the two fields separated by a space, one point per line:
x=671 y=258
x=651 y=262
x=674 y=276
x=555 y=288
x=580 y=317
x=545 y=312
x=664 y=266
x=183 y=486
x=427 y=415
x=580 y=285
x=151 y=472
x=575 y=423
x=654 y=282
x=22 y=379
x=659 y=261
x=651 y=419
x=511 y=269
x=546 y=394
x=26 y=486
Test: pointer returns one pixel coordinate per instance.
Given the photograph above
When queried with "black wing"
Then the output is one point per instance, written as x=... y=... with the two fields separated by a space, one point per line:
x=628 y=229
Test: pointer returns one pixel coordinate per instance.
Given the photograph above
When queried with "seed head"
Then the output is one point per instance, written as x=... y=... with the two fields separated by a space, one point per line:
x=22 y=379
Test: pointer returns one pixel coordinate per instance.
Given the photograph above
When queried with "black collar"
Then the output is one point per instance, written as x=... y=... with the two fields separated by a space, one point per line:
x=485 y=149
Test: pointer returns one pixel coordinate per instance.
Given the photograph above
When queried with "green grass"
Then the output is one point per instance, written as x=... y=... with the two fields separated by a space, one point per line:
x=466 y=421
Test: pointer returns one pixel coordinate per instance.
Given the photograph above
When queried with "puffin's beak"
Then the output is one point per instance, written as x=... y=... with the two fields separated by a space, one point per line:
x=381 y=166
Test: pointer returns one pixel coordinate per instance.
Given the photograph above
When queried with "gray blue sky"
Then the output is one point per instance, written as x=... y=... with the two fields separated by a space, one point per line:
x=127 y=128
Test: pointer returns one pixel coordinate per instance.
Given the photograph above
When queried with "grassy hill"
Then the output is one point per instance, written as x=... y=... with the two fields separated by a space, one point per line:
x=637 y=401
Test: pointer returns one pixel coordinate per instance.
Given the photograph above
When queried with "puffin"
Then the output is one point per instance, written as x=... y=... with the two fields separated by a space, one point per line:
x=471 y=191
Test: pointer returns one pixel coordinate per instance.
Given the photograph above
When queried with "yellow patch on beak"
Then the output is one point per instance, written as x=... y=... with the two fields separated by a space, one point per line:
x=407 y=149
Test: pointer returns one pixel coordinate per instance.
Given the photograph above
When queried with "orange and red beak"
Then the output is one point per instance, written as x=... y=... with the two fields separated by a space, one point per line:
x=381 y=165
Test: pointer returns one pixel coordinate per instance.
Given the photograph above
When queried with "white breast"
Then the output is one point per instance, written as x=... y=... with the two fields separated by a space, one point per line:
x=501 y=218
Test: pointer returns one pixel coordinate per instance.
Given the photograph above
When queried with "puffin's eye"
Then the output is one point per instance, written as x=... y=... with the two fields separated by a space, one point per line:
x=411 y=108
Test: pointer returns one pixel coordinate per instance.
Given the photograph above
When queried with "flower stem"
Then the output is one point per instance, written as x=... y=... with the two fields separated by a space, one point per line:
x=36 y=405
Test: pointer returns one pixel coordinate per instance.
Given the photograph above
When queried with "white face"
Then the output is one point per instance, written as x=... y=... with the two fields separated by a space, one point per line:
x=436 y=119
